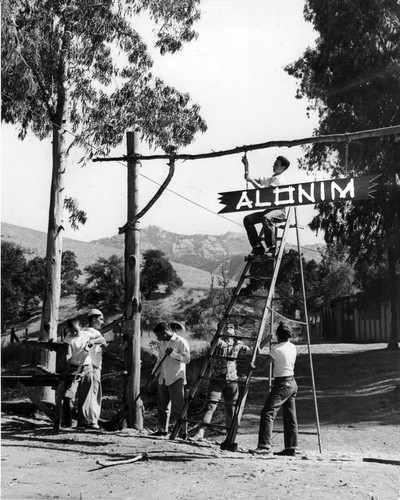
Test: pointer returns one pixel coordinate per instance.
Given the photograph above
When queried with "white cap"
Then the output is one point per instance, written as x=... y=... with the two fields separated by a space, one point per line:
x=94 y=312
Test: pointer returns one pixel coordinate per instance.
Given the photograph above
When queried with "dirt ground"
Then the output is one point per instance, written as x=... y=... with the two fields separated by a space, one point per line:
x=358 y=394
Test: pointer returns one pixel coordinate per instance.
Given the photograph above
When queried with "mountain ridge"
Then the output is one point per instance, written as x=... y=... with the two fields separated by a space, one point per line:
x=201 y=252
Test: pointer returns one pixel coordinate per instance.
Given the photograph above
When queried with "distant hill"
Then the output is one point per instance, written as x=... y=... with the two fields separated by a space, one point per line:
x=88 y=253
x=203 y=251
x=194 y=257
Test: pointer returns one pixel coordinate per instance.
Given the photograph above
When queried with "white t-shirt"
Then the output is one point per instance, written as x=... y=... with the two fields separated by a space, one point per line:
x=284 y=355
x=96 y=352
x=78 y=344
x=275 y=180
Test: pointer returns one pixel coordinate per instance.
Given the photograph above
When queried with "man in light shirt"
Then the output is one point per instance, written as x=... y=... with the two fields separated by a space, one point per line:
x=267 y=217
x=96 y=322
x=79 y=361
x=283 y=394
x=171 y=376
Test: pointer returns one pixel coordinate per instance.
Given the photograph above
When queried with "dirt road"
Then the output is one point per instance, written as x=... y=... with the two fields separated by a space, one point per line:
x=358 y=397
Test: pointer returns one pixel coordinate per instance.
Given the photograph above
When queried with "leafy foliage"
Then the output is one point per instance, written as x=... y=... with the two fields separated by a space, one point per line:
x=76 y=216
x=352 y=79
x=110 y=86
x=22 y=281
x=12 y=268
x=104 y=285
x=70 y=273
x=157 y=270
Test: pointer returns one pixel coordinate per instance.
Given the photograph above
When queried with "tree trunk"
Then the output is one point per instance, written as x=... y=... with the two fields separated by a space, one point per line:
x=52 y=284
x=52 y=287
x=394 y=299
x=133 y=306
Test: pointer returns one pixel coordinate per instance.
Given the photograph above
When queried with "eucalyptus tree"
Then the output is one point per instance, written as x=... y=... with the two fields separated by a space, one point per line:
x=80 y=73
x=352 y=79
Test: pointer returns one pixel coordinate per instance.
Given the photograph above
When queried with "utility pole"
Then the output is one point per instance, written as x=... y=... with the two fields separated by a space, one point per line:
x=133 y=306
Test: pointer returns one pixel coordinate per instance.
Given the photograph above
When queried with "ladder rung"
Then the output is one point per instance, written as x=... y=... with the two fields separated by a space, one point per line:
x=205 y=377
x=251 y=296
x=245 y=316
x=227 y=358
x=190 y=421
x=259 y=258
x=259 y=278
x=206 y=400
x=244 y=337
x=298 y=432
x=287 y=297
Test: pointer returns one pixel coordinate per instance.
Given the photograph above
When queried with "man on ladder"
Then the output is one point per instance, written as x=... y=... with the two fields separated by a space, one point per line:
x=266 y=217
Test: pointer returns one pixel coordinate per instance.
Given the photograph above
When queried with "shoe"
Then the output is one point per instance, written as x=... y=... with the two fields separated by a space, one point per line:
x=246 y=291
x=258 y=250
x=290 y=452
x=261 y=451
x=159 y=433
x=228 y=447
x=271 y=251
x=93 y=426
x=197 y=439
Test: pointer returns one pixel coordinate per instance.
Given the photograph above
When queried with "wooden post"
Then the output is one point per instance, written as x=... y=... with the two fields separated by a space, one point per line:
x=134 y=415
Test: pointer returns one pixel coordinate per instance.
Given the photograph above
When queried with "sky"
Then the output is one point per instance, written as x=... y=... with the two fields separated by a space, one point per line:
x=235 y=72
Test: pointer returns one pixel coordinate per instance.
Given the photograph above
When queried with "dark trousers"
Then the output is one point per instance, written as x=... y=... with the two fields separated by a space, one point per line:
x=170 y=400
x=267 y=218
x=283 y=395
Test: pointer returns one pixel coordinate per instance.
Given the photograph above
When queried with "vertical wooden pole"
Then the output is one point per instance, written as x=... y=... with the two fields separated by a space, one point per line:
x=133 y=306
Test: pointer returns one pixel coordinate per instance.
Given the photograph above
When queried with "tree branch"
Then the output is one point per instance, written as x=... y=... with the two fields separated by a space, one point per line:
x=364 y=134
x=160 y=191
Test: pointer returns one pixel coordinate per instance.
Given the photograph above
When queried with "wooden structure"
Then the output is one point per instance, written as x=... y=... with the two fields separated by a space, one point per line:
x=346 y=320
x=254 y=314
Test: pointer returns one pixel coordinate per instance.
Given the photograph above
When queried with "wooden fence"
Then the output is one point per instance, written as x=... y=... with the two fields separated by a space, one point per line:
x=345 y=321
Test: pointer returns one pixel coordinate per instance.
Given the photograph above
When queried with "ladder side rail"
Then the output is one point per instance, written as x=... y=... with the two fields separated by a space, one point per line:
x=210 y=351
x=242 y=398
x=272 y=285
x=308 y=333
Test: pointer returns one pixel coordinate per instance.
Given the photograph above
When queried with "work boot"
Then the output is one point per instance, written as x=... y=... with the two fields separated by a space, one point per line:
x=258 y=250
x=289 y=452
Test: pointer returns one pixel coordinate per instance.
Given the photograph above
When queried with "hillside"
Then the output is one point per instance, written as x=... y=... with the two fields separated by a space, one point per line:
x=203 y=251
x=194 y=257
x=88 y=253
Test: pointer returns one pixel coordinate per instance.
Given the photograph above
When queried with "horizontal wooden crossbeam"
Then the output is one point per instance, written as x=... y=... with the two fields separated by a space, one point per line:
x=332 y=138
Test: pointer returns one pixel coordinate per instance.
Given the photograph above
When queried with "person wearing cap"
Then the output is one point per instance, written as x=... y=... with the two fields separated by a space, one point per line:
x=283 y=394
x=79 y=361
x=96 y=321
x=267 y=217
x=174 y=355
x=224 y=379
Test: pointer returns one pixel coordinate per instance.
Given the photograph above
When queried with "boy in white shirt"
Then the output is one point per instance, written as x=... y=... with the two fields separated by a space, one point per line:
x=283 y=394
x=79 y=360
x=267 y=217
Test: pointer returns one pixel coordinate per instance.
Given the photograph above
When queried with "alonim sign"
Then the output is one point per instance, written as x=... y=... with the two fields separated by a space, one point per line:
x=335 y=190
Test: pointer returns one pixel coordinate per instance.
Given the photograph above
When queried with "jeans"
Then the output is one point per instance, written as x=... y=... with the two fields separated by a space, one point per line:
x=267 y=218
x=170 y=399
x=283 y=395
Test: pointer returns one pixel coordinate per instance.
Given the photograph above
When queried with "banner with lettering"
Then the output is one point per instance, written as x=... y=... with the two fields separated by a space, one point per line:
x=307 y=193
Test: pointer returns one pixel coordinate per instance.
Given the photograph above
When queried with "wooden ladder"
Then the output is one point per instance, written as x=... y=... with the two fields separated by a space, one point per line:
x=237 y=312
